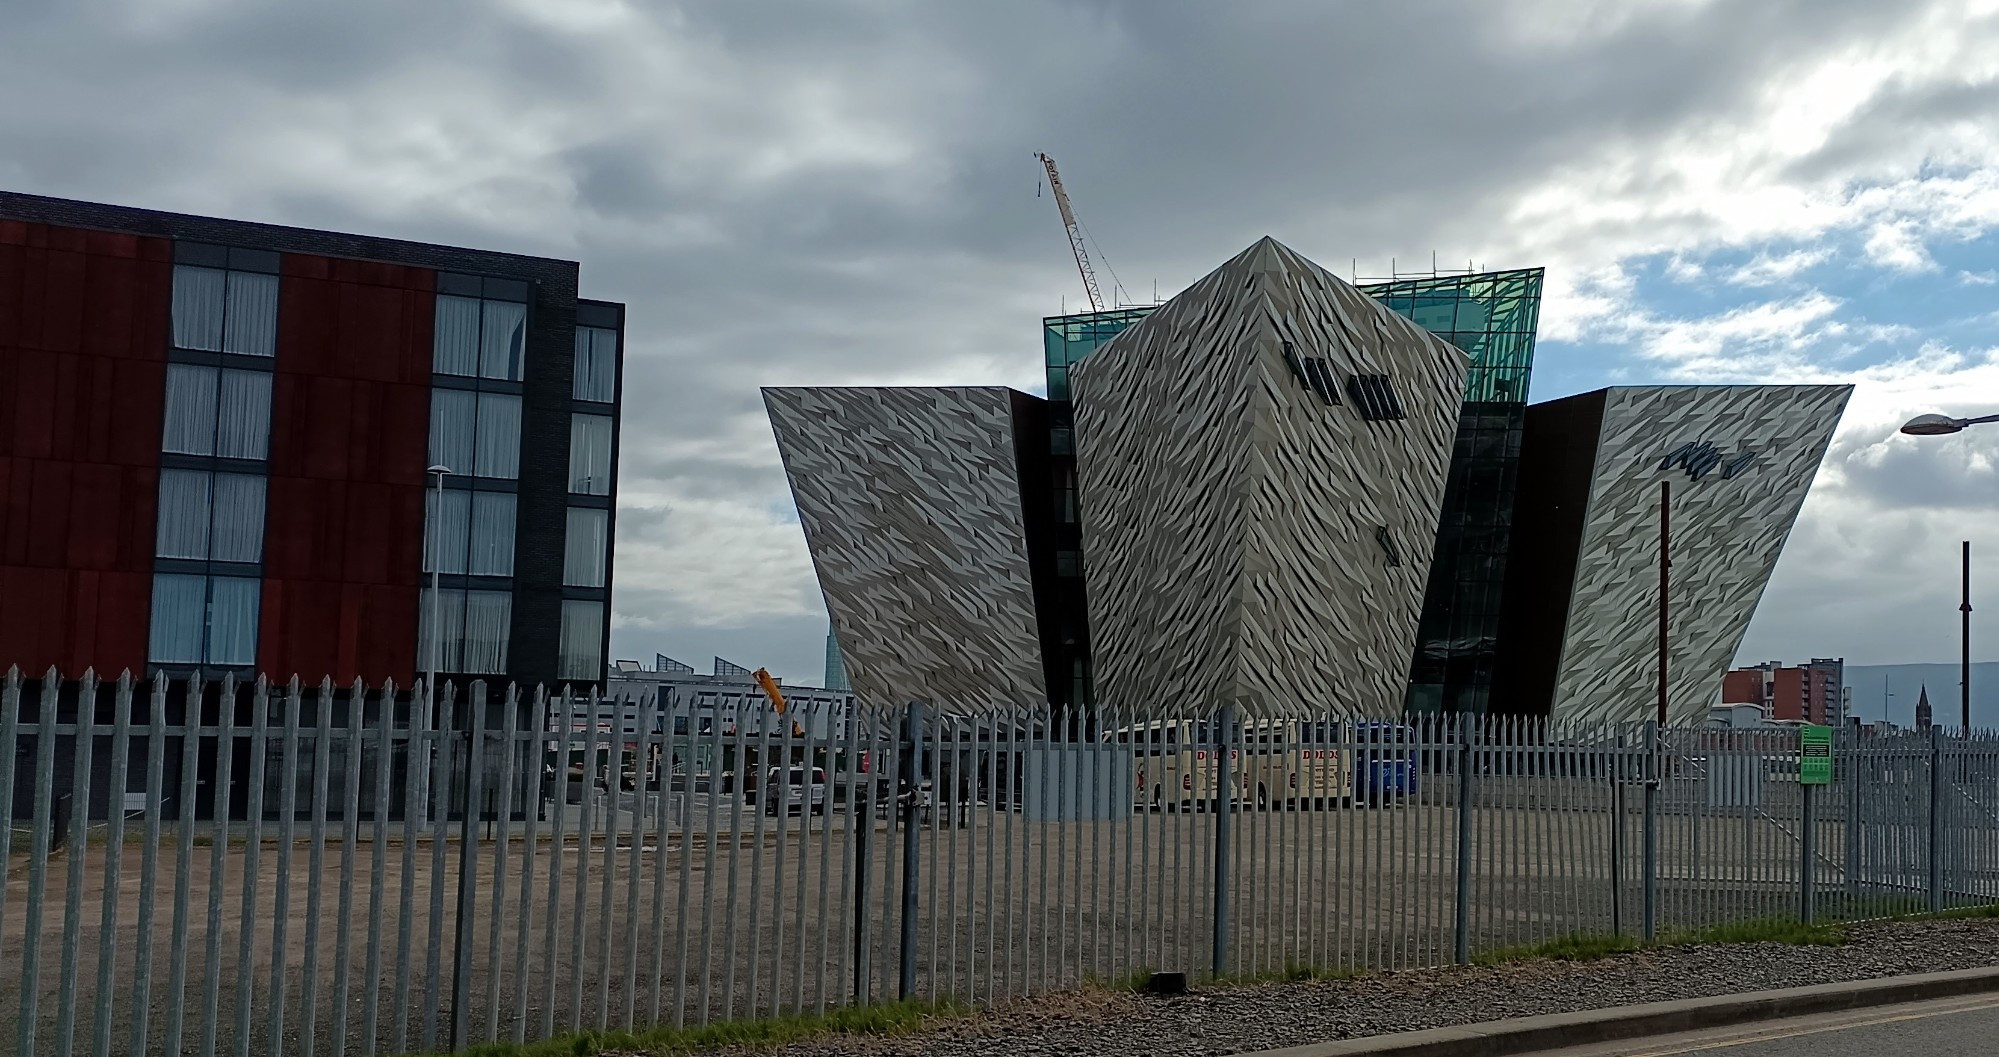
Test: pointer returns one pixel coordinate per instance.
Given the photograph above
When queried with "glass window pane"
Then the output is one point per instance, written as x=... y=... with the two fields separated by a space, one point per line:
x=450 y=641
x=499 y=448
x=590 y=454
x=232 y=621
x=451 y=419
x=190 y=428
x=455 y=341
x=581 y=646
x=500 y=345
x=184 y=515
x=239 y=518
x=596 y=376
x=253 y=315
x=244 y=416
x=488 y=622
x=198 y=307
x=179 y=603
x=585 y=547
x=492 y=534
x=446 y=534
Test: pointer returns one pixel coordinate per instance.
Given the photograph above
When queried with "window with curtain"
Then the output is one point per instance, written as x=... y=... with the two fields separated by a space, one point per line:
x=476 y=434
x=453 y=417
x=199 y=294
x=204 y=620
x=184 y=514
x=190 y=410
x=585 y=546
x=243 y=420
x=498 y=441
x=238 y=533
x=581 y=645
x=232 y=620
x=596 y=370
x=501 y=338
x=251 y=315
x=590 y=454
x=492 y=534
x=445 y=611
x=207 y=516
x=213 y=411
x=455 y=344
x=445 y=530
x=488 y=622
x=215 y=310
x=180 y=605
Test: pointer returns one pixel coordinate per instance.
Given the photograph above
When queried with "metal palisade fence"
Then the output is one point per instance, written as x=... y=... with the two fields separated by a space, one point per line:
x=244 y=868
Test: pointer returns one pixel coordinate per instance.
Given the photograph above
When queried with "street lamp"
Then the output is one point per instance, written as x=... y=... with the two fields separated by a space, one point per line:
x=436 y=544
x=1940 y=426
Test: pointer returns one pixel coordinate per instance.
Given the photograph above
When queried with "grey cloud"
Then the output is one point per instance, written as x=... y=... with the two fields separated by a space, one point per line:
x=912 y=246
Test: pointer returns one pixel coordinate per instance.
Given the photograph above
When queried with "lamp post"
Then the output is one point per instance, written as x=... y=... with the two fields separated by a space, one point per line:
x=1939 y=426
x=436 y=543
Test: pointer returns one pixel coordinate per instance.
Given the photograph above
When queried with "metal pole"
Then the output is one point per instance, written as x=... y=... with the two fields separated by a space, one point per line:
x=862 y=818
x=1225 y=722
x=1808 y=858
x=1467 y=729
x=1616 y=771
x=1665 y=586
x=1853 y=837
x=461 y=958
x=436 y=599
x=1936 y=820
x=912 y=777
x=1964 y=609
x=1650 y=913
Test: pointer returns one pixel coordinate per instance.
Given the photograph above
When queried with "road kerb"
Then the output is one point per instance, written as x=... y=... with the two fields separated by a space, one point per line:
x=1501 y=1038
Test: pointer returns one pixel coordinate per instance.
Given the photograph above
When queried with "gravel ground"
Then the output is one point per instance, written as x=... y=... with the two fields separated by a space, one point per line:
x=1239 y=1019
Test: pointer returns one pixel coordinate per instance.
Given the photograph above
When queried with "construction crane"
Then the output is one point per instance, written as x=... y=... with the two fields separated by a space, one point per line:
x=769 y=685
x=1075 y=231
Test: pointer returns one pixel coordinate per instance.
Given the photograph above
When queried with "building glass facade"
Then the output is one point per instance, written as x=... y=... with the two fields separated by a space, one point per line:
x=1492 y=316
x=1065 y=341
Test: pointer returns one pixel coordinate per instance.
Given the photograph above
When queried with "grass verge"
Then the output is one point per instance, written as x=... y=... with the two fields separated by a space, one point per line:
x=1588 y=947
x=897 y=1018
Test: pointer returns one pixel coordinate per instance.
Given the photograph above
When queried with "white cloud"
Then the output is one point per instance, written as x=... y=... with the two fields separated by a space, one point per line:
x=1767 y=270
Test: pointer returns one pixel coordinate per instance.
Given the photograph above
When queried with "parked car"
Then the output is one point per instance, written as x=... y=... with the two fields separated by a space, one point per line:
x=786 y=788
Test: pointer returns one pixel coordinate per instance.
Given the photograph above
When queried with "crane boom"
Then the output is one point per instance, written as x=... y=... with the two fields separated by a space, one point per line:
x=1075 y=233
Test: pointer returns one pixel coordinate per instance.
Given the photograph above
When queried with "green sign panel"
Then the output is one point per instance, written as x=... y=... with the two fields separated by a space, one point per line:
x=1815 y=755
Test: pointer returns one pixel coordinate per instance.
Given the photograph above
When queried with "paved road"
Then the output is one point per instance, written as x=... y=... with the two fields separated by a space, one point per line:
x=1952 y=1027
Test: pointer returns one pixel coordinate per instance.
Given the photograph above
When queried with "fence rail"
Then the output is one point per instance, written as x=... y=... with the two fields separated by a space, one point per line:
x=255 y=868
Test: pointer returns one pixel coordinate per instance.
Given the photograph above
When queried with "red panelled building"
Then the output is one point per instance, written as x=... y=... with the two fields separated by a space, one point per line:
x=214 y=438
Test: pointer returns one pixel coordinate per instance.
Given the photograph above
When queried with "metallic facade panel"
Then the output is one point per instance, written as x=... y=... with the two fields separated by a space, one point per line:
x=1733 y=504
x=911 y=503
x=1233 y=517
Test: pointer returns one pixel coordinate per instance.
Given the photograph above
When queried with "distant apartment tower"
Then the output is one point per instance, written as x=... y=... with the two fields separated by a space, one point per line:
x=1813 y=692
x=214 y=437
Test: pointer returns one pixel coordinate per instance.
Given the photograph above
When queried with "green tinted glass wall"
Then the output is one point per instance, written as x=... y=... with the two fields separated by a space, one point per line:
x=1066 y=340
x=1492 y=317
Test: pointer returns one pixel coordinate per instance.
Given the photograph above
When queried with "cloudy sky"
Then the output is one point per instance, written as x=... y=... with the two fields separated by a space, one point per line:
x=809 y=192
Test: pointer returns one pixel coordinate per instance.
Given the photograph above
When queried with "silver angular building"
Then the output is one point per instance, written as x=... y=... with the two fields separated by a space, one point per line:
x=1261 y=461
x=1275 y=490
x=911 y=503
x=1582 y=594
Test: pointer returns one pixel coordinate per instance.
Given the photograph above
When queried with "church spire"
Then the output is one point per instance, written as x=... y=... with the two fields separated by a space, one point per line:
x=1923 y=716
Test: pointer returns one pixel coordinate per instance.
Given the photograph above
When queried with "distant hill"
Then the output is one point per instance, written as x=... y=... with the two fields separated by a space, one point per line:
x=1872 y=683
